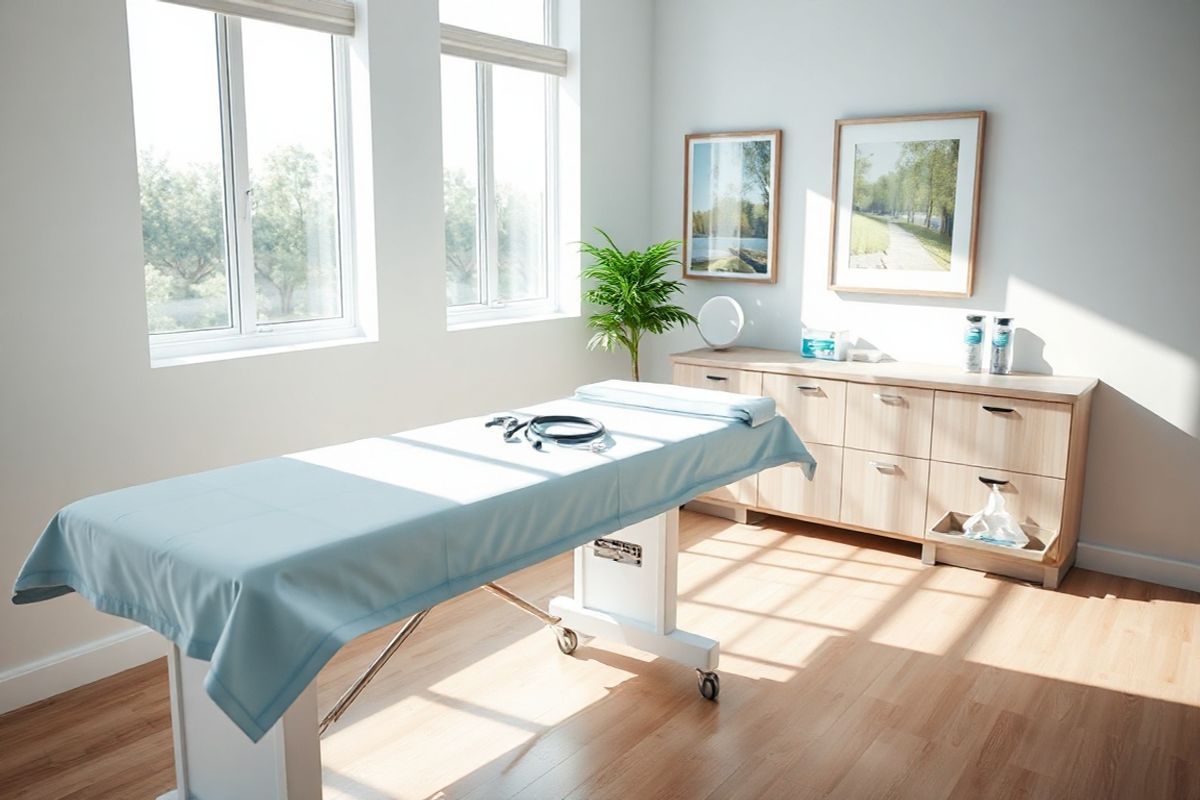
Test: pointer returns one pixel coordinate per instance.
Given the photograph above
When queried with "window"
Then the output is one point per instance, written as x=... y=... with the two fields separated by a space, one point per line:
x=523 y=20
x=499 y=147
x=243 y=165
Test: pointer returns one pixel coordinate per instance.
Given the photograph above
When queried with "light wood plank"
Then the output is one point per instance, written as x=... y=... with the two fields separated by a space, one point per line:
x=1081 y=416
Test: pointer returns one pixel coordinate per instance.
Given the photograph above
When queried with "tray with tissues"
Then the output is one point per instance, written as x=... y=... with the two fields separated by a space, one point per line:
x=949 y=530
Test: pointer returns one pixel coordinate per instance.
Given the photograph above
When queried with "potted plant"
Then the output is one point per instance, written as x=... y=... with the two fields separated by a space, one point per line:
x=631 y=292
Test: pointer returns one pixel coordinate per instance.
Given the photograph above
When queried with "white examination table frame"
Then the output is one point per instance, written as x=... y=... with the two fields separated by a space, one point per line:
x=634 y=604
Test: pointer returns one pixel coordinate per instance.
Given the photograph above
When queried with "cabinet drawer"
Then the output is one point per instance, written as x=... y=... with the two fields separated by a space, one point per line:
x=884 y=492
x=786 y=489
x=889 y=419
x=816 y=408
x=724 y=380
x=1032 y=499
x=1028 y=436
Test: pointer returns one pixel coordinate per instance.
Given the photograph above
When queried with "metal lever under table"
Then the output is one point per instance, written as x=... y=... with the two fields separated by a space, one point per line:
x=568 y=640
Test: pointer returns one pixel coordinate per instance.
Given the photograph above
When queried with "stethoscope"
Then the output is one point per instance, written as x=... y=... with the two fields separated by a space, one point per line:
x=541 y=429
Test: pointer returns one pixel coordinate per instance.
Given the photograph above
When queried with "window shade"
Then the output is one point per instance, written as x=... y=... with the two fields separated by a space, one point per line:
x=494 y=49
x=328 y=16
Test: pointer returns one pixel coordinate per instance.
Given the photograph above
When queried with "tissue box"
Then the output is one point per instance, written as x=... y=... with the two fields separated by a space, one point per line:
x=826 y=345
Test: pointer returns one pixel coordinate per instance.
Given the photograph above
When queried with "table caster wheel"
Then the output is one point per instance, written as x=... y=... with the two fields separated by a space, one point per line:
x=568 y=640
x=710 y=684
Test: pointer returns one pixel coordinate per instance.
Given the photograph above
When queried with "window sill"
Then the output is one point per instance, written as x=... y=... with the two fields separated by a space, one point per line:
x=244 y=349
x=470 y=322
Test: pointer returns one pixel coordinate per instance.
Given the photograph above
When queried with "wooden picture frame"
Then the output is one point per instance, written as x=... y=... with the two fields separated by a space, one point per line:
x=718 y=244
x=912 y=229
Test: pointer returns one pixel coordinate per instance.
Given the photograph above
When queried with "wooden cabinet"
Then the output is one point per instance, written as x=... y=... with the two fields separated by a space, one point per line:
x=884 y=492
x=889 y=419
x=898 y=446
x=787 y=490
x=816 y=408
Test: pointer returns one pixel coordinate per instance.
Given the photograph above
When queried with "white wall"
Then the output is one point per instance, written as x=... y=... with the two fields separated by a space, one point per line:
x=80 y=409
x=1089 y=217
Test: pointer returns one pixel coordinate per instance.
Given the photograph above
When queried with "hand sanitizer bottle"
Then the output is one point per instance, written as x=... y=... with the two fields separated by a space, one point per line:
x=1002 y=346
x=973 y=344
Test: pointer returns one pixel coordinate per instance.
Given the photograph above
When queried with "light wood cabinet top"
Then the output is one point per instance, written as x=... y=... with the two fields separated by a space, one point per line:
x=1061 y=388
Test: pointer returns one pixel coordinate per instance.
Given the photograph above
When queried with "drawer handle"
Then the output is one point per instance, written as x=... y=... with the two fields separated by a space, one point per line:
x=716 y=378
x=883 y=466
x=992 y=481
x=888 y=398
x=998 y=410
x=806 y=388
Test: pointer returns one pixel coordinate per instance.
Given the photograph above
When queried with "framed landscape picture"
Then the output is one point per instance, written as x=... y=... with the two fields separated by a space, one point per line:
x=731 y=206
x=906 y=204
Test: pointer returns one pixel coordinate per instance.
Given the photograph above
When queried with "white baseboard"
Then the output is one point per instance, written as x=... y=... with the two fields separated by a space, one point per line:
x=60 y=672
x=1168 y=572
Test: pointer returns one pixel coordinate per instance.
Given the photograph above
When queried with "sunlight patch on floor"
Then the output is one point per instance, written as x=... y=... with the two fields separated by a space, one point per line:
x=1152 y=641
x=496 y=706
x=927 y=622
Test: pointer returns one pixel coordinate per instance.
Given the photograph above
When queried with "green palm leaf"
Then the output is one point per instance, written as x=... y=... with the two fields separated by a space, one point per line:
x=632 y=295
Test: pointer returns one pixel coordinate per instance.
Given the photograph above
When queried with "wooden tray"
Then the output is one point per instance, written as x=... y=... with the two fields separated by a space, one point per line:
x=948 y=530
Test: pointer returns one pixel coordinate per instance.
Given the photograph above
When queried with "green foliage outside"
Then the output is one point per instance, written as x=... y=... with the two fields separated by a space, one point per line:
x=868 y=235
x=632 y=294
x=520 y=241
x=462 y=267
x=183 y=236
x=294 y=218
x=295 y=237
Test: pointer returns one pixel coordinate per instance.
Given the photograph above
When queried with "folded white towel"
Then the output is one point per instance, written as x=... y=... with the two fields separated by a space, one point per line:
x=750 y=409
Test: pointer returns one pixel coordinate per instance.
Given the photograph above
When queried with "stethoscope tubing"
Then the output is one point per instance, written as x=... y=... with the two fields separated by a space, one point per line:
x=538 y=427
x=537 y=431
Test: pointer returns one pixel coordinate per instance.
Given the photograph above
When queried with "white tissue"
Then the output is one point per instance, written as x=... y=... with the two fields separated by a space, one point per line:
x=994 y=524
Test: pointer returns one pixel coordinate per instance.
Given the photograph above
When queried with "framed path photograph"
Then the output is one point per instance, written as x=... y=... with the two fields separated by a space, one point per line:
x=906 y=204
x=731 y=205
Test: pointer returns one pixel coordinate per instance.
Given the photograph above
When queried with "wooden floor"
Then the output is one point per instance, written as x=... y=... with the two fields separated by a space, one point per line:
x=848 y=670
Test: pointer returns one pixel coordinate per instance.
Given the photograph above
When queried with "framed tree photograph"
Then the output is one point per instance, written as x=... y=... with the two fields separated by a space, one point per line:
x=906 y=204
x=731 y=206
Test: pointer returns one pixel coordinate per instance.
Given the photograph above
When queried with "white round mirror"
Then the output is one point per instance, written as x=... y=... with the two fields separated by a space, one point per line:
x=720 y=322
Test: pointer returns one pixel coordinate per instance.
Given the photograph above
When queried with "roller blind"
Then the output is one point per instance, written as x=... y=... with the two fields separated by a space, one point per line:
x=328 y=16
x=494 y=49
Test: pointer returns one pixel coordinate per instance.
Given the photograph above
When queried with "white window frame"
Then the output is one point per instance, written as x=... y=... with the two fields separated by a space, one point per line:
x=488 y=51
x=245 y=334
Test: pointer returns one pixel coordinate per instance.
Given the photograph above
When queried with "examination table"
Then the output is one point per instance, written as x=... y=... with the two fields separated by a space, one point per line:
x=257 y=574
